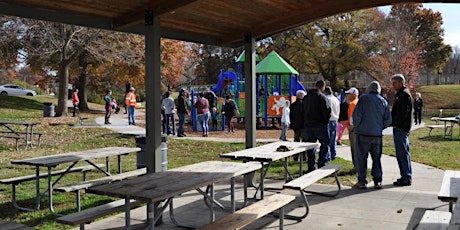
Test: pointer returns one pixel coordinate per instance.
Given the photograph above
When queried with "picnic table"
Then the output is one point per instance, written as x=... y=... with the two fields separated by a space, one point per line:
x=52 y=161
x=157 y=187
x=450 y=188
x=449 y=123
x=267 y=154
x=11 y=128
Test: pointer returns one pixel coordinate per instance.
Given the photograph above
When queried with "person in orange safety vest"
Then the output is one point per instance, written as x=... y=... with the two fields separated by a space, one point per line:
x=131 y=104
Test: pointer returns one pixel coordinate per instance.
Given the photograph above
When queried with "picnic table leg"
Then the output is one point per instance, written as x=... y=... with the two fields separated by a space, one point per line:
x=37 y=187
x=245 y=189
x=232 y=193
x=119 y=163
x=128 y=214
x=211 y=206
x=50 y=191
x=107 y=165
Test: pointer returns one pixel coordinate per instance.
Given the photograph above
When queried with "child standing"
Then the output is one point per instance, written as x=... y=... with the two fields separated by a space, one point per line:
x=214 y=115
x=285 y=121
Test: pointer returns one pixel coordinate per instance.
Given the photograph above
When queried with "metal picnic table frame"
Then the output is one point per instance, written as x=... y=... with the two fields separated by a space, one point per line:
x=52 y=161
x=29 y=133
x=155 y=188
x=267 y=154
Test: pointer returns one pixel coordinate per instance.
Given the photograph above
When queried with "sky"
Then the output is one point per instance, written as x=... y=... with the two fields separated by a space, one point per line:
x=451 y=20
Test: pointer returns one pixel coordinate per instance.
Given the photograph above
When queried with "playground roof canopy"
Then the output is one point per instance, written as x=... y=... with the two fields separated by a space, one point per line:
x=241 y=58
x=274 y=64
x=214 y=22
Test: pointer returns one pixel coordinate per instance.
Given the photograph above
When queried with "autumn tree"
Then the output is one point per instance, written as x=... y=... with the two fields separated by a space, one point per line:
x=8 y=48
x=332 y=47
x=414 y=42
x=212 y=59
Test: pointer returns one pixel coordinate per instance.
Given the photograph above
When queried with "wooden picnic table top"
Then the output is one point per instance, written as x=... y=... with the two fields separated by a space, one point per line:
x=163 y=185
x=54 y=160
x=268 y=152
x=18 y=123
x=450 y=188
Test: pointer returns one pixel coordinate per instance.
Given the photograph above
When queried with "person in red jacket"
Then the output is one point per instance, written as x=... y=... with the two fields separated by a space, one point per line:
x=75 y=101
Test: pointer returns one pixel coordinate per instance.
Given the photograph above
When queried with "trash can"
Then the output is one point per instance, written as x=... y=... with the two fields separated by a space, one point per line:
x=48 y=109
x=141 y=161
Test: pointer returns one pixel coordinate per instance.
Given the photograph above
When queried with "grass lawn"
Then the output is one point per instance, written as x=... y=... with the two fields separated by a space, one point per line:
x=61 y=135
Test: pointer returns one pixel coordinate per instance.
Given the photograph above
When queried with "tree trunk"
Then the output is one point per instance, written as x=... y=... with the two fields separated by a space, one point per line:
x=82 y=81
x=63 y=74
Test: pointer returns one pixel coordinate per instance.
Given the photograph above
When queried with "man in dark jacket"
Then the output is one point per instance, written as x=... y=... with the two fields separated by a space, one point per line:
x=401 y=114
x=317 y=112
x=297 y=121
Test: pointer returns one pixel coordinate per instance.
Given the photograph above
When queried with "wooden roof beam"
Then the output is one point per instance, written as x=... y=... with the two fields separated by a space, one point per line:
x=159 y=8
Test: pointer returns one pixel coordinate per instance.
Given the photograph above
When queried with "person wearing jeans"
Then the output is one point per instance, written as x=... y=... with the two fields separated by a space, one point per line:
x=370 y=117
x=169 y=107
x=202 y=107
x=402 y=121
x=317 y=112
x=335 y=110
x=181 y=111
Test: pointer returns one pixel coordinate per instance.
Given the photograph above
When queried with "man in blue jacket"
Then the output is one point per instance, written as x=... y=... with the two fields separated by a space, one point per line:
x=370 y=117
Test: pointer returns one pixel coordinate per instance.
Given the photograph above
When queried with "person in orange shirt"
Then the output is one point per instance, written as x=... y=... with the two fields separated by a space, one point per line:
x=131 y=104
x=353 y=94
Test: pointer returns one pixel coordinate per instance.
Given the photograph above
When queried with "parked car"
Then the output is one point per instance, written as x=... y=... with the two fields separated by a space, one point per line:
x=12 y=89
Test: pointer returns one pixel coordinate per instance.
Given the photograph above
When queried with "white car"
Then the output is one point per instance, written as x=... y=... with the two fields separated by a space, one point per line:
x=16 y=90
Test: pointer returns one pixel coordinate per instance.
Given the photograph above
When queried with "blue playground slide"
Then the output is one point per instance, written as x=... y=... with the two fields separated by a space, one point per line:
x=300 y=86
x=221 y=79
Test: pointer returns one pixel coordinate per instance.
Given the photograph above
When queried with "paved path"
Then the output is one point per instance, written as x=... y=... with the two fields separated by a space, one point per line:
x=389 y=208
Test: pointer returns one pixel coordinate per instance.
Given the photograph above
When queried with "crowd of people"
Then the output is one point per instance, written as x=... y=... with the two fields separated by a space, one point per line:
x=316 y=116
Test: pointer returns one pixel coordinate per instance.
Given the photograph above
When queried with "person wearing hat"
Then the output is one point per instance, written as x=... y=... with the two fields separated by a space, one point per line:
x=401 y=113
x=131 y=103
x=296 y=117
x=353 y=94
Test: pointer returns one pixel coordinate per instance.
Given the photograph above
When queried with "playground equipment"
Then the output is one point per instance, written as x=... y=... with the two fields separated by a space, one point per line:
x=278 y=79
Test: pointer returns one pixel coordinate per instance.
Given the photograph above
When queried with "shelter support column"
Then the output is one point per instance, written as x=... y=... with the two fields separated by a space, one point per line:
x=250 y=91
x=152 y=92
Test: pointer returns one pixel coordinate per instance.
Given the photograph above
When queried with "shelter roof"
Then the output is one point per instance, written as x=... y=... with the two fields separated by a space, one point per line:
x=215 y=22
x=274 y=64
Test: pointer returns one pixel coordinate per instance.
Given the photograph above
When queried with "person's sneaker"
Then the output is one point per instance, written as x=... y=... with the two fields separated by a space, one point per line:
x=378 y=185
x=360 y=186
x=401 y=182
x=339 y=143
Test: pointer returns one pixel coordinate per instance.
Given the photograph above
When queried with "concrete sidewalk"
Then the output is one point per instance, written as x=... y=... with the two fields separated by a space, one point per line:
x=389 y=208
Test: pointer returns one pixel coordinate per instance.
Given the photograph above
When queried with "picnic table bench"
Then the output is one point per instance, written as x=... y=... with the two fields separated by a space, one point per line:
x=88 y=215
x=155 y=188
x=15 y=181
x=302 y=182
x=449 y=192
x=251 y=213
x=450 y=188
x=441 y=220
x=81 y=186
x=73 y=158
x=9 y=225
